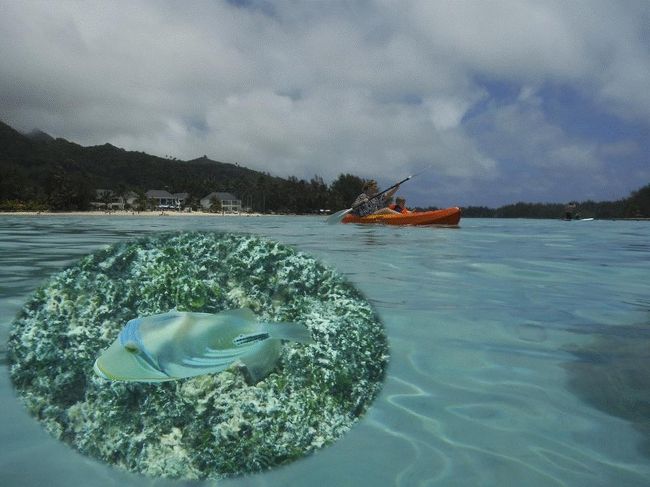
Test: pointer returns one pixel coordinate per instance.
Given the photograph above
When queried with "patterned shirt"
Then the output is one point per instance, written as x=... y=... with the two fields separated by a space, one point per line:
x=367 y=207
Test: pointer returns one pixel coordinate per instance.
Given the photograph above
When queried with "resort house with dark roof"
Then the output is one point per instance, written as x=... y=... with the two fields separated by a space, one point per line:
x=164 y=200
x=181 y=198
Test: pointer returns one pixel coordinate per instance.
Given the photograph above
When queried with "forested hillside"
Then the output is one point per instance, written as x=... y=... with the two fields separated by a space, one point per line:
x=40 y=172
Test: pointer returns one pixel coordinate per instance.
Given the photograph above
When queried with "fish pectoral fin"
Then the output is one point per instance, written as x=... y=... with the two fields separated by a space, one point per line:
x=210 y=358
x=262 y=362
x=203 y=362
x=212 y=353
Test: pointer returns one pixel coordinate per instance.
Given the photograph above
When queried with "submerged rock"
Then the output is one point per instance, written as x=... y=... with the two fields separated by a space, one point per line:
x=611 y=374
x=210 y=426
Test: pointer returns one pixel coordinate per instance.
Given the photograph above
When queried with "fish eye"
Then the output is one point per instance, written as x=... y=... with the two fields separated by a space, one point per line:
x=131 y=347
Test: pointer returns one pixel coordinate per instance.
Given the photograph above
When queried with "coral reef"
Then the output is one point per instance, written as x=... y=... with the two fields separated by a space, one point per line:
x=210 y=426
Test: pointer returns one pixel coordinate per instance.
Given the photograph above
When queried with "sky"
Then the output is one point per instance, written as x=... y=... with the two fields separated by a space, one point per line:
x=497 y=101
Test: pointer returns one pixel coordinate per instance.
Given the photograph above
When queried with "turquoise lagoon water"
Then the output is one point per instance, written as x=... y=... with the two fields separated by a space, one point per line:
x=519 y=350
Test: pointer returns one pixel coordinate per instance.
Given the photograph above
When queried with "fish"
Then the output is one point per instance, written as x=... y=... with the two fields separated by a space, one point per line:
x=180 y=344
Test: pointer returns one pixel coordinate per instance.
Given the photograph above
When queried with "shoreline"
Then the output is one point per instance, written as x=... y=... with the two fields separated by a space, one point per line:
x=203 y=214
x=130 y=213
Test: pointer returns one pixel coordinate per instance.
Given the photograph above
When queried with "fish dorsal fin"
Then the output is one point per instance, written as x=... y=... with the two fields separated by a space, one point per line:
x=243 y=313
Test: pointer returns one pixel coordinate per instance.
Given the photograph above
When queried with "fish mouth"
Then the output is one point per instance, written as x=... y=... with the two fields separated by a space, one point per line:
x=98 y=370
x=104 y=374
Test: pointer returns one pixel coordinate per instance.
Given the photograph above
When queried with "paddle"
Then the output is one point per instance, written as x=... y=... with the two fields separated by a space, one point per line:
x=338 y=216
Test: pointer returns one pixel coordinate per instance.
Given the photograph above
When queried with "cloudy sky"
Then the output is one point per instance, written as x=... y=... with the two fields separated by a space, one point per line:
x=504 y=101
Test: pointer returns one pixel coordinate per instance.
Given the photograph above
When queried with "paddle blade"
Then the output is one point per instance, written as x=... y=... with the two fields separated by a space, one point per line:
x=338 y=216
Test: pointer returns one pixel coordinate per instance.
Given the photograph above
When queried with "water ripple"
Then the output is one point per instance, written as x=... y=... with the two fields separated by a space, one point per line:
x=508 y=342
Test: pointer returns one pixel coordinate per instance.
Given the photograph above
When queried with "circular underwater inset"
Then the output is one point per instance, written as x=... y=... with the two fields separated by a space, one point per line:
x=213 y=425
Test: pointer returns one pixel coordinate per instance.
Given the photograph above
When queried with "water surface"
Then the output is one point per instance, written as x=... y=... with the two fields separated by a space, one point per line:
x=519 y=350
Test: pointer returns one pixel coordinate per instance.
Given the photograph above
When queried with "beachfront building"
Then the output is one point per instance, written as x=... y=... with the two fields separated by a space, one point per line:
x=161 y=199
x=229 y=202
x=180 y=199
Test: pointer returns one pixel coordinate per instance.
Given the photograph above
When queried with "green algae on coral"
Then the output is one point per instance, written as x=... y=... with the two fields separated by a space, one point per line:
x=210 y=426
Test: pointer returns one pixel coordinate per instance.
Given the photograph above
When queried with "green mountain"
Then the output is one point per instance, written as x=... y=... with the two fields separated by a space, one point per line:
x=40 y=171
x=38 y=155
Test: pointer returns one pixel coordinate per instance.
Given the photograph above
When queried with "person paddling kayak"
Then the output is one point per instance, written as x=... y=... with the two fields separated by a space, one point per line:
x=364 y=205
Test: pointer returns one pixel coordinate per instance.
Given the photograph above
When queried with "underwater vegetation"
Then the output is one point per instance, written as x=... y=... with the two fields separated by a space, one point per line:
x=214 y=425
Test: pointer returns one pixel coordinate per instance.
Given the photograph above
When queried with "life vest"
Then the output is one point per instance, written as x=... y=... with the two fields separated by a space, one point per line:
x=401 y=210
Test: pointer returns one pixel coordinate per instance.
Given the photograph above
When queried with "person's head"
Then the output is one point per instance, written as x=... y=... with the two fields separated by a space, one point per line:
x=370 y=186
x=400 y=201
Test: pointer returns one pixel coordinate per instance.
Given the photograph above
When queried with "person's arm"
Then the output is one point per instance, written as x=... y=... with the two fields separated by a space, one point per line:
x=359 y=205
x=391 y=192
x=362 y=198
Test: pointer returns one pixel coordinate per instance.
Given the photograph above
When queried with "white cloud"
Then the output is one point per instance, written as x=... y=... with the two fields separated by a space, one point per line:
x=520 y=132
x=447 y=113
x=374 y=88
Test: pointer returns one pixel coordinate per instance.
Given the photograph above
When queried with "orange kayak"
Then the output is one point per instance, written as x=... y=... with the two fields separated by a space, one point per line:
x=448 y=216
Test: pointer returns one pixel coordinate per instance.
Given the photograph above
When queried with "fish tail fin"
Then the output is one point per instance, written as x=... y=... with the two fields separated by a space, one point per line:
x=289 y=331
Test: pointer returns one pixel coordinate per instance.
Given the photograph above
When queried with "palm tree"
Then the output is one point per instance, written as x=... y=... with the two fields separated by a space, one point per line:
x=141 y=201
x=215 y=204
x=106 y=198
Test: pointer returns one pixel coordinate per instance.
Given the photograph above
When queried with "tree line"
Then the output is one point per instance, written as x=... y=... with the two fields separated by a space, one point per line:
x=42 y=173
x=39 y=172
x=65 y=189
x=636 y=205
